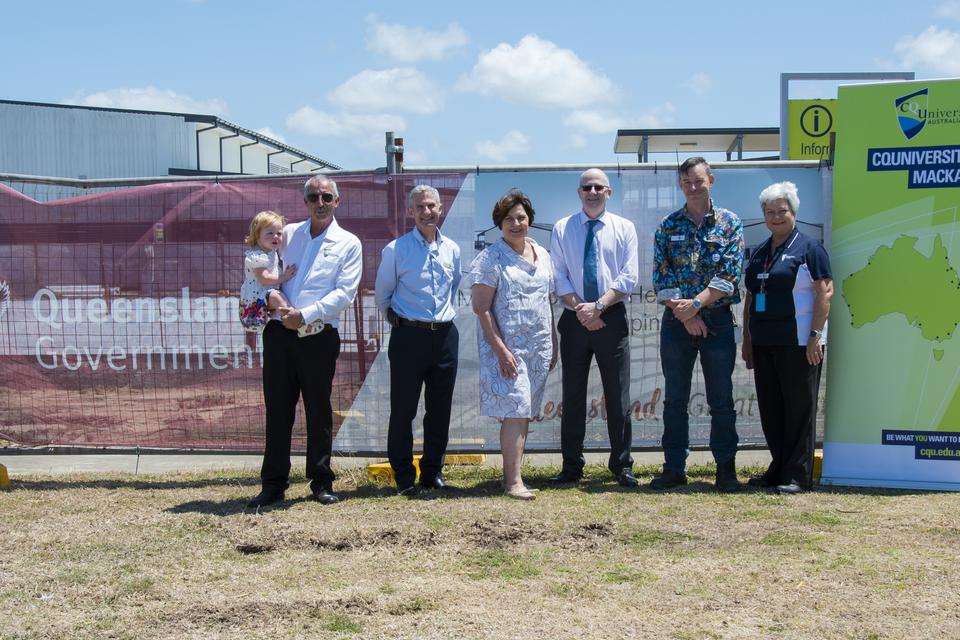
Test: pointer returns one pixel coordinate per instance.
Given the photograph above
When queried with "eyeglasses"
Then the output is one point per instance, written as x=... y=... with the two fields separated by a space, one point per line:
x=587 y=188
x=326 y=197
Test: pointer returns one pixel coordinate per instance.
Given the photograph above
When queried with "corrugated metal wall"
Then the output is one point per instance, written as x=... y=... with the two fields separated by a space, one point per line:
x=74 y=143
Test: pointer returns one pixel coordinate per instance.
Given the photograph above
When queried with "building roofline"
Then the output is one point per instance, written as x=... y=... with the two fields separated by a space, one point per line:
x=190 y=117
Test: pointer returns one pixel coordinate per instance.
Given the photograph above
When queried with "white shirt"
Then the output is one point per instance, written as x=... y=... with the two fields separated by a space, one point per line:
x=616 y=238
x=328 y=271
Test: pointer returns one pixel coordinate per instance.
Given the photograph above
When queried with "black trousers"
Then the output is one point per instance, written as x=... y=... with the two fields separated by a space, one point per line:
x=295 y=367
x=611 y=347
x=420 y=358
x=787 y=387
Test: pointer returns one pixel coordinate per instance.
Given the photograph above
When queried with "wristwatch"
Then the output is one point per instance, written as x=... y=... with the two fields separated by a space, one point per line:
x=815 y=334
x=697 y=303
x=600 y=306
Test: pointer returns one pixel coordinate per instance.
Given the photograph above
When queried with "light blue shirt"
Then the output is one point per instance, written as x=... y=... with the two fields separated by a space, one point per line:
x=417 y=281
x=618 y=265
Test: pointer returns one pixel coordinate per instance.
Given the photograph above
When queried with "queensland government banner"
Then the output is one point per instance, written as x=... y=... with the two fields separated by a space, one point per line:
x=893 y=399
x=119 y=325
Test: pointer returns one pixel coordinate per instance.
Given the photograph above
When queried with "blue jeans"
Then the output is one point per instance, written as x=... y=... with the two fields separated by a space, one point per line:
x=678 y=352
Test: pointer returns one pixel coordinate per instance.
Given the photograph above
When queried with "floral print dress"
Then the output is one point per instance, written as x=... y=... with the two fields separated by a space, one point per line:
x=253 y=295
x=521 y=308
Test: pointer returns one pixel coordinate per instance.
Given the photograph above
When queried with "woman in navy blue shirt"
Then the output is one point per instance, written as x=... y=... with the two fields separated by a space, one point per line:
x=789 y=287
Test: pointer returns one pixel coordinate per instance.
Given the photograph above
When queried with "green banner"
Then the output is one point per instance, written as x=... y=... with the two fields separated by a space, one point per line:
x=893 y=400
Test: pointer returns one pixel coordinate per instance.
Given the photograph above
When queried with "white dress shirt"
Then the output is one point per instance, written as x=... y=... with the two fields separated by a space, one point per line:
x=616 y=238
x=328 y=271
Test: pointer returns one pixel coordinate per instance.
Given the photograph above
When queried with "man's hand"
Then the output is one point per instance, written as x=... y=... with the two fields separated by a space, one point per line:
x=696 y=327
x=587 y=313
x=595 y=324
x=291 y=318
x=684 y=309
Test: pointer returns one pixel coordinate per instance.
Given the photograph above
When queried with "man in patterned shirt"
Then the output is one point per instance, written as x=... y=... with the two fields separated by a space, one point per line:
x=698 y=262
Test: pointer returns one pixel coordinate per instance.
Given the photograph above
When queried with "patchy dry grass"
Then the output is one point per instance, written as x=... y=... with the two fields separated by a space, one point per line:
x=177 y=557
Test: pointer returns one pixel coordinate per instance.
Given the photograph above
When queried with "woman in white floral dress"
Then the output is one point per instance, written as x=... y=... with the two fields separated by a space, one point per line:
x=512 y=280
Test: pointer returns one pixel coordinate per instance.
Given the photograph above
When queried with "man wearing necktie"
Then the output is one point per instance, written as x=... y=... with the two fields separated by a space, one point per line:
x=595 y=264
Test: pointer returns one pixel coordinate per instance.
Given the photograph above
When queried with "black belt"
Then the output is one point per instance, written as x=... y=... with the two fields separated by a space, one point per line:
x=420 y=324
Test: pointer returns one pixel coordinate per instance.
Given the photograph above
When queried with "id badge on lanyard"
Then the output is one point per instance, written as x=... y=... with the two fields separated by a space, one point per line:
x=760 y=300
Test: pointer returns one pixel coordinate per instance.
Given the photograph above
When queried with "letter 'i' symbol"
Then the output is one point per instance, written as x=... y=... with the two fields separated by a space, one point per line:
x=816 y=120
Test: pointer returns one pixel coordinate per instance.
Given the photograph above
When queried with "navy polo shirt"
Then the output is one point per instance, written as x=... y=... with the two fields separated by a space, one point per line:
x=788 y=315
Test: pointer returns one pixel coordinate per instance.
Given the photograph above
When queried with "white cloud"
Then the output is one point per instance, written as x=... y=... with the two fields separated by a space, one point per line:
x=364 y=129
x=699 y=83
x=410 y=44
x=935 y=49
x=950 y=9
x=414 y=156
x=539 y=73
x=270 y=133
x=149 y=98
x=592 y=121
x=577 y=141
x=401 y=89
x=511 y=144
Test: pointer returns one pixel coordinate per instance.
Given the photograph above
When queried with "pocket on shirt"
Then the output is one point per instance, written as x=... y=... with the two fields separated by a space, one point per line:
x=326 y=265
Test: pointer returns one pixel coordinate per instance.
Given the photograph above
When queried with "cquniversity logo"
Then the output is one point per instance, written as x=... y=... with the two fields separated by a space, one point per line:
x=912 y=112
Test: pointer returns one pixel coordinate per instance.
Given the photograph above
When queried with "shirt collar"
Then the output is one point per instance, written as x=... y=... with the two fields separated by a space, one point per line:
x=419 y=237
x=583 y=218
x=709 y=218
x=332 y=233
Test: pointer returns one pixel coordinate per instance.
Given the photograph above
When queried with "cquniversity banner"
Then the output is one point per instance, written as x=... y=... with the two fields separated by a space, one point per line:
x=893 y=401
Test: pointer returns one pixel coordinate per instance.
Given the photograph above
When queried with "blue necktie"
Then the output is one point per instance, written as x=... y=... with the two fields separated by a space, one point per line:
x=590 y=286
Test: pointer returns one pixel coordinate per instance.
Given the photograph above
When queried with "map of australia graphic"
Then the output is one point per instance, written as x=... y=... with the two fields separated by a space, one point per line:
x=924 y=290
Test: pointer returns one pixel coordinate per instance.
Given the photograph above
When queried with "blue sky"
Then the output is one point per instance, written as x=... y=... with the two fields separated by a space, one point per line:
x=464 y=83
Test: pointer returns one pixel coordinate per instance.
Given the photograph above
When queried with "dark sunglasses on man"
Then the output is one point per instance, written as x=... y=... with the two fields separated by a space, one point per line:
x=587 y=188
x=326 y=197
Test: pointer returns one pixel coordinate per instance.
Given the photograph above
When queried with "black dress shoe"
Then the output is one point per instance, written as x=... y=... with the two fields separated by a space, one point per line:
x=325 y=496
x=790 y=488
x=668 y=480
x=627 y=479
x=437 y=482
x=762 y=481
x=566 y=477
x=264 y=498
x=411 y=491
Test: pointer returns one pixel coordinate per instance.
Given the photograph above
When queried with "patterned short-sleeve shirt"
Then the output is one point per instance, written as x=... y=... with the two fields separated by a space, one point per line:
x=687 y=259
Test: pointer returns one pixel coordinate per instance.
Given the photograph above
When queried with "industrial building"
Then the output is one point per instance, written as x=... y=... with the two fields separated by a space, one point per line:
x=70 y=141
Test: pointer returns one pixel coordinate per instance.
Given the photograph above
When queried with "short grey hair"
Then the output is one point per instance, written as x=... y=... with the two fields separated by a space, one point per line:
x=778 y=190
x=320 y=179
x=422 y=189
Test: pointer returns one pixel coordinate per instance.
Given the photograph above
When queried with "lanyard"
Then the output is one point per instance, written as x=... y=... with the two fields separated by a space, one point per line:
x=771 y=260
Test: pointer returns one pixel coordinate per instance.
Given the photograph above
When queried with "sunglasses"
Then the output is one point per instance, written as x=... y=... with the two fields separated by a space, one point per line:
x=314 y=197
x=587 y=188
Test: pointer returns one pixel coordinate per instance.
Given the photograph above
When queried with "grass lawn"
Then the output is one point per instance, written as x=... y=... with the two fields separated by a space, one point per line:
x=176 y=556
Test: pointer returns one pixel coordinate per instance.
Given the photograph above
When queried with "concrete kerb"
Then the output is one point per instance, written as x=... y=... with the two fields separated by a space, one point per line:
x=54 y=464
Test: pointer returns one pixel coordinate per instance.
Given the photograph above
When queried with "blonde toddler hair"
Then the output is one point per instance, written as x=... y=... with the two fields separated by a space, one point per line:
x=261 y=220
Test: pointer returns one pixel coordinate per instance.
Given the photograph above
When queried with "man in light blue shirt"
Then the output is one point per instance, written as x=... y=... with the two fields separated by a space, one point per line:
x=417 y=283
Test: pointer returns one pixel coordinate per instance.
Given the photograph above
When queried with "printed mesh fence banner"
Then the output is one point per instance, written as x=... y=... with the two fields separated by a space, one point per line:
x=119 y=323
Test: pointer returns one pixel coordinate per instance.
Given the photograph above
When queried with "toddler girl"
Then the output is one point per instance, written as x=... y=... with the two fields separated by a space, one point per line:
x=260 y=290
